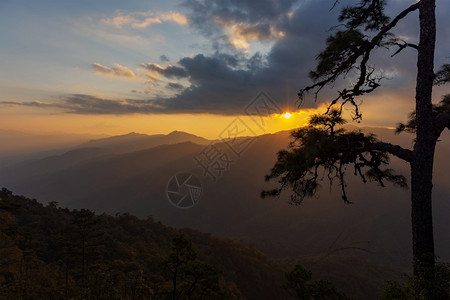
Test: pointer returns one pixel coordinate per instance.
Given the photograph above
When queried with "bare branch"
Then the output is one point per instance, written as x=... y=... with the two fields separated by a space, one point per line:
x=403 y=46
x=336 y=2
x=341 y=175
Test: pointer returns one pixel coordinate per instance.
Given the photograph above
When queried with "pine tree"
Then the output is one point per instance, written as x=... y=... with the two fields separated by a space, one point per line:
x=367 y=28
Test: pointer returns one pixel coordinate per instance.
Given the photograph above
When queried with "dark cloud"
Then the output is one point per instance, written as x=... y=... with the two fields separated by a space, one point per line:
x=248 y=11
x=205 y=70
x=224 y=83
x=230 y=24
x=164 y=58
x=168 y=71
x=261 y=31
x=282 y=71
x=88 y=104
x=175 y=86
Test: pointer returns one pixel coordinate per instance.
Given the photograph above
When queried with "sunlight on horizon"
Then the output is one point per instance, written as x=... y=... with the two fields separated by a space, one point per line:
x=209 y=126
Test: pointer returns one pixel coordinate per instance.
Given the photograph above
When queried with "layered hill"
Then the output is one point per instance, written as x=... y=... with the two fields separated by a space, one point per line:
x=106 y=177
x=17 y=146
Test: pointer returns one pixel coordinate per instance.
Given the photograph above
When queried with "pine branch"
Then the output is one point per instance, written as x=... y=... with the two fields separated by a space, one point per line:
x=396 y=150
x=320 y=146
x=443 y=75
x=441 y=119
x=363 y=50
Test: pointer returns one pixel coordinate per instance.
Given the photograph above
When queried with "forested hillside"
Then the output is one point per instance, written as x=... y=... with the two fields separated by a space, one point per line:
x=48 y=252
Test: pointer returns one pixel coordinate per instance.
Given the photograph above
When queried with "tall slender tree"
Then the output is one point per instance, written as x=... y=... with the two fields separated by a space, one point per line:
x=366 y=28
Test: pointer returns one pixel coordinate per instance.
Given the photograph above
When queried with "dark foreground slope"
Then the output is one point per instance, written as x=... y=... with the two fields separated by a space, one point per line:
x=54 y=253
x=42 y=250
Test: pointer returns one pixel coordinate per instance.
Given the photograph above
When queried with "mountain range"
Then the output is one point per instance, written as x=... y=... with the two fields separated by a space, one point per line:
x=130 y=173
x=17 y=146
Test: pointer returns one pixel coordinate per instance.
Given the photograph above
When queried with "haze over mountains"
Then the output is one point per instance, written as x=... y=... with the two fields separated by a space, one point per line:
x=129 y=173
x=17 y=146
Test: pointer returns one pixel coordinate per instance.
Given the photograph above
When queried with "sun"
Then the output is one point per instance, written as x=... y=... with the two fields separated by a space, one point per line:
x=287 y=115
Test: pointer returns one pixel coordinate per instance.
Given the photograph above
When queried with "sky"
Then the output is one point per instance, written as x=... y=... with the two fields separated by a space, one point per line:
x=112 y=67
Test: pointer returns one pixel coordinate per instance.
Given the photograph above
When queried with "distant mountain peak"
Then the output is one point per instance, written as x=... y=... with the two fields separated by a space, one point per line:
x=177 y=132
x=133 y=134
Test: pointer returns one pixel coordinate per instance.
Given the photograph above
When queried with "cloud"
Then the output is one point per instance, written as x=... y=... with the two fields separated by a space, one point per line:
x=174 y=17
x=245 y=32
x=144 y=19
x=119 y=21
x=224 y=80
x=246 y=11
x=164 y=58
x=235 y=24
x=88 y=104
x=175 y=86
x=116 y=71
x=240 y=34
x=168 y=71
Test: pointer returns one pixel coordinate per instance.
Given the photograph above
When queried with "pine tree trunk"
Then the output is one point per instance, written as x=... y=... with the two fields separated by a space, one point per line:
x=422 y=224
x=422 y=165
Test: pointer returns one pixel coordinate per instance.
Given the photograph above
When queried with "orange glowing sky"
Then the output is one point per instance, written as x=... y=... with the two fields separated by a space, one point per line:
x=157 y=66
x=205 y=125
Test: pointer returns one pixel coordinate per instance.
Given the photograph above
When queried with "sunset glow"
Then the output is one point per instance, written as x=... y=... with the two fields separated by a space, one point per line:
x=158 y=66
